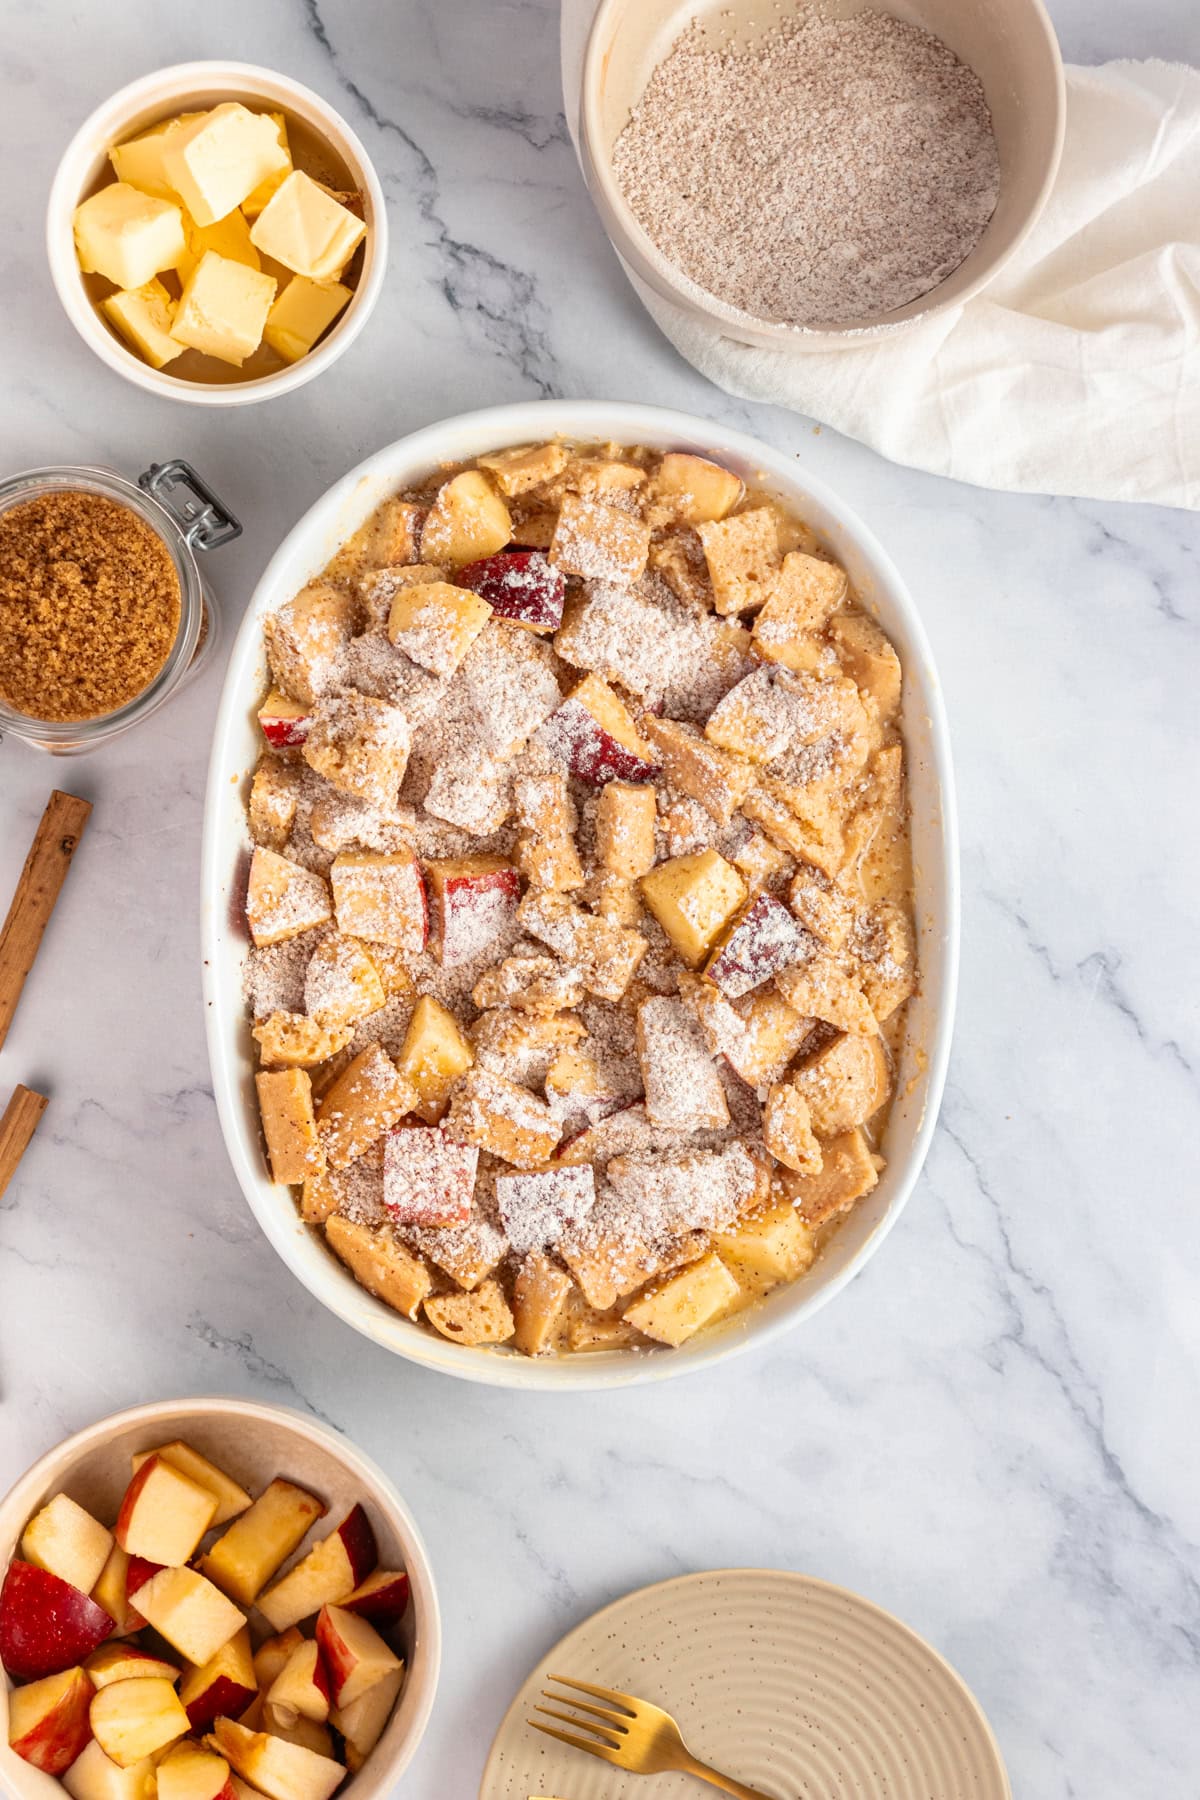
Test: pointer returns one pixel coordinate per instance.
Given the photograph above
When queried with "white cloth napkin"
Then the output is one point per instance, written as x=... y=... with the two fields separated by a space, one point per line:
x=1078 y=370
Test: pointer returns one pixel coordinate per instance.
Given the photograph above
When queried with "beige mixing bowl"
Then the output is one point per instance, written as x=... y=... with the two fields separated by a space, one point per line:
x=1010 y=44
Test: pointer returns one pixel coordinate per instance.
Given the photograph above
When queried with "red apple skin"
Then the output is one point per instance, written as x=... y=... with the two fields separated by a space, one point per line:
x=138 y=1574
x=224 y=1699
x=591 y=752
x=128 y=1503
x=284 y=734
x=384 y=1604
x=62 y=1734
x=331 y=1648
x=460 y=888
x=358 y=1539
x=46 y=1624
x=519 y=584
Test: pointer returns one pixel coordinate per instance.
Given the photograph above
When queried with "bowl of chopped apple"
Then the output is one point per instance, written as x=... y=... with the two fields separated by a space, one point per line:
x=211 y=1600
x=216 y=233
x=579 y=896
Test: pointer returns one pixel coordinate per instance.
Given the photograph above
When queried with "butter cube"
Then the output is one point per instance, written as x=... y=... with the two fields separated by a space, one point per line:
x=306 y=230
x=301 y=313
x=126 y=236
x=253 y=204
x=219 y=158
x=140 y=161
x=144 y=316
x=228 y=237
x=223 y=308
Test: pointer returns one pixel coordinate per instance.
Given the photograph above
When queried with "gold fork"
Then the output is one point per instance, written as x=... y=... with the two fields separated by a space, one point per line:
x=631 y=1734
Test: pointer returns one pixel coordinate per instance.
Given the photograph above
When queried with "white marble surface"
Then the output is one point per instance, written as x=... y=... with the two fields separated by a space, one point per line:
x=994 y=1431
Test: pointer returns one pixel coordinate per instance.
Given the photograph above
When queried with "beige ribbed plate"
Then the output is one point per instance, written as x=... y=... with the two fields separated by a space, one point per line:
x=794 y=1686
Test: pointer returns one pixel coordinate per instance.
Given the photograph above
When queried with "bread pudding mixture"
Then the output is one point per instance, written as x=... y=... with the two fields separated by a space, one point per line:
x=580 y=898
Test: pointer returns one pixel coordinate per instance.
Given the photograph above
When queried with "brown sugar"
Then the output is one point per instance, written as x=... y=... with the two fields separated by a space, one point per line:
x=89 y=606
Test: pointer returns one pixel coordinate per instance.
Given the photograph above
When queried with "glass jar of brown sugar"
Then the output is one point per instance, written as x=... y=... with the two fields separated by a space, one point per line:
x=103 y=613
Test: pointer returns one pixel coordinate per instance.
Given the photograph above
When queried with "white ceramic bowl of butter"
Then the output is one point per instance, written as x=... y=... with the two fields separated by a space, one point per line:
x=194 y=87
x=236 y=745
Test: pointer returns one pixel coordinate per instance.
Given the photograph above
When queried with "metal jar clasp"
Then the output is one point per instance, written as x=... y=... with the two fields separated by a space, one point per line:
x=204 y=520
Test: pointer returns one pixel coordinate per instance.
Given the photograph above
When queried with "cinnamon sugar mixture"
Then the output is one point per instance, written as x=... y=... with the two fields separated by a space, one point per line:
x=831 y=172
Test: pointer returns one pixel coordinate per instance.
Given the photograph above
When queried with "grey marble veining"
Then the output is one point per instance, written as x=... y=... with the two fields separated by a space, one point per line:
x=994 y=1430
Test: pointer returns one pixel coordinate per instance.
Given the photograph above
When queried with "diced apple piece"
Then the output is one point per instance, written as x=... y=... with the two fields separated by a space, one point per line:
x=693 y=898
x=503 y=1118
x=190 y=1772
x=283 y=899
x=302 y=1687
x=434 y=1054
x=362 y=1723
x=289 y=1124
x=382 y=1598
x=435 y=623
x=474 y=903
x=381 y=898
x=674 y=1310
x=845 y=1082
x=683 y=1086
x=194 y=1616
x=273 y=1655
x=428 y=1179
x=46 y=1625
x=112 y=1593
x=121 y=1662
x=260 y=1542
x=227 y=1683
x=94 y=1776
x=540 y=1295
x=360 y=744
x=341 y=983
x=367 y=1099
x=48 y=1723
x=164 y=1514
x=280 y=1770
x=480 y=1317
x=67 y=1541
x=133 y=1719
x=468 y=521
x=295 y=1729
x=285 y=723
x=380 y=1264
x=355 y=1655
x=330 y=1571
x=593 y=733
x=305 y=639
x=742 y=554
x=774 y=1245
x=763 y=940
x=522 y=586
x=599 y=541
x=690 y=490
x=138 y=1572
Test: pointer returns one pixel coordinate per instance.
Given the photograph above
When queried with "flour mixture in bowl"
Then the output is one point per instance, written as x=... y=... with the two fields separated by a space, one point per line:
x=580 y=898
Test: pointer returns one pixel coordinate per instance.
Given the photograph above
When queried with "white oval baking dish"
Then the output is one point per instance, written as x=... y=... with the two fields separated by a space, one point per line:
x=236 y=742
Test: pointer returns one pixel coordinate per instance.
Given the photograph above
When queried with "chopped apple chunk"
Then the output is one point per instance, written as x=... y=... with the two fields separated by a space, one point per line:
x=434 y=1055
x=674 y=1310
x=283 y=899
x=693 y=898
x=468 y=521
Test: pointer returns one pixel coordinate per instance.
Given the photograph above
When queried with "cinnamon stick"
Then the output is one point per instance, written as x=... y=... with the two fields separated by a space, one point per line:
x=18 y=1125
x=41 y=879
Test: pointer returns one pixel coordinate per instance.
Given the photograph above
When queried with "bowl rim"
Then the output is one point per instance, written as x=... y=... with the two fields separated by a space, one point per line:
x=495 y=427
x=424 y=1669
x=642 y=259
x=176 y=81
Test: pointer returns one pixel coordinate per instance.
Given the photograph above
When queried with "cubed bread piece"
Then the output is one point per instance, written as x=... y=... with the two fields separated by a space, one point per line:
x=383 y=1266
x=691 y=490
x=539 y=1207
x=845 y=1082
x=319 y=1198
x=390 y=967
x=377 y=589
x=809 y=843
x=508 y=687
x=673 y=1310
x=283 y=899
x=870 y=659
x=273 y=796
x=822 y=906
x=467 y=521
x=470 y=790
x=341 y=983
x=436 y=623
x=435 y=1053
x=848 y=1171
x=771 y=711
x=885 y=952
x=683 y=1088
x=294 y=1041
x=306 y=638
x=787 y=1129
x=546 y=853
x=758 y=1035
x=599 y=541
x=803 y=596
x=366 y=1100
x=540 y=1294
x=625 y=815
x=664 y=1195
x=679 y=558
x=605 y=475
x=533 y=526
x=764 y=865
x=877 y=820
x=285 y=1102
x=821 y=988
x=393 y=534
x=609 y=1267
x=481 y=1317
x=616 y=899
x=693 y=898
x=605 y=955
x=361 y=745
x=502 y=1118
x=770 y=1246
x=718 y=780
x=381 y=898
x=743 y=558
x=531 y=983
x=474 y=904
x=592 y=1330
x=525 y=466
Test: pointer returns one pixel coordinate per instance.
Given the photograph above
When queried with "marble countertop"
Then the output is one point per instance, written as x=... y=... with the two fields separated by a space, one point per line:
x=993 y=1432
